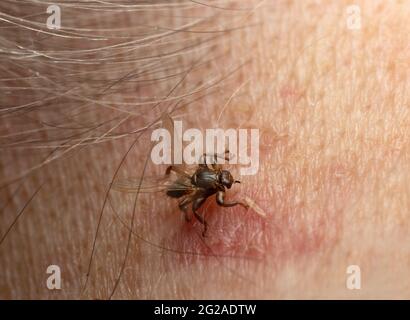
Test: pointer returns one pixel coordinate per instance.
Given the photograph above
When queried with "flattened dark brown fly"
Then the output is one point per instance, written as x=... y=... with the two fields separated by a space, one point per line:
x=205 y=182
x=192 y=190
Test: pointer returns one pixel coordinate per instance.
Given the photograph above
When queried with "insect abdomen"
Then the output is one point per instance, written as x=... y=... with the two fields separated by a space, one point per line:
x=178 y=189
x=176 y=193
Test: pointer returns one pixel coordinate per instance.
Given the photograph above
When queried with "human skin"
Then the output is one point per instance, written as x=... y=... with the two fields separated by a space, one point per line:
x=331 y=106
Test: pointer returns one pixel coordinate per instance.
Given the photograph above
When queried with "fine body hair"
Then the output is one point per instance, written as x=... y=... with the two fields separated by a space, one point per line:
x=78 y=105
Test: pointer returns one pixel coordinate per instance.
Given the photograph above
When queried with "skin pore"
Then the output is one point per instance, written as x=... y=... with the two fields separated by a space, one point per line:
x=78 y=106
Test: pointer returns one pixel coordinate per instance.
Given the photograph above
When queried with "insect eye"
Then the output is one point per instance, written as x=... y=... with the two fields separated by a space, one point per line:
x=226 y=179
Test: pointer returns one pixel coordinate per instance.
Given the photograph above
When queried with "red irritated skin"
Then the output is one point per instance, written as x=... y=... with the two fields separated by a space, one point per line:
x=298 y=219
x=331 y=104
x=281 y=224
x=297 y=214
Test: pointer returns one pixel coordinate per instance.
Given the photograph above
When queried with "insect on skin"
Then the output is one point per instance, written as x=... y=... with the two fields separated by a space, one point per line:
x=205 y=182
x=191 y=189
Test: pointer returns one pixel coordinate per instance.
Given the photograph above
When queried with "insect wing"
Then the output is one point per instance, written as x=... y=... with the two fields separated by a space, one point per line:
x=176 y=182
x=168 y=184
x=180 y=187
x=147 y=184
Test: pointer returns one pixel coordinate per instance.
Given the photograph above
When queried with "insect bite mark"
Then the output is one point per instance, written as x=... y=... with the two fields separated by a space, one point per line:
x=233 y=233
x=282 y=224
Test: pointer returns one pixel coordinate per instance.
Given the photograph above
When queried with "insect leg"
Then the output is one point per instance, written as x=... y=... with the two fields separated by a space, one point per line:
x=220 y=200
x=214 y=164
x=198 y=202
x=183 y=206
x=202 y=161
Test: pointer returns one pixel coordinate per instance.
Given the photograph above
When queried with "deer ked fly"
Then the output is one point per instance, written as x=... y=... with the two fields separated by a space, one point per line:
x=192 y=189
